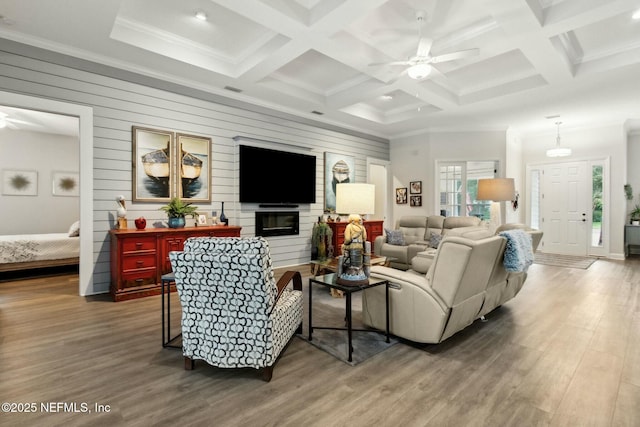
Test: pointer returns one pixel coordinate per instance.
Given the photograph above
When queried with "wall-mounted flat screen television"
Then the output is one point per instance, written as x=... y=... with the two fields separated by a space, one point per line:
x=276 y=177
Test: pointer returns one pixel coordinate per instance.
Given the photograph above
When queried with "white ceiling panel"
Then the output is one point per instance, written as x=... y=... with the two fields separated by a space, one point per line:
x=298 y=56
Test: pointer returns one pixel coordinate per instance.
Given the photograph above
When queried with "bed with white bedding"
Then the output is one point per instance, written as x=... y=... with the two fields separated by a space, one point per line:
x=26 y=251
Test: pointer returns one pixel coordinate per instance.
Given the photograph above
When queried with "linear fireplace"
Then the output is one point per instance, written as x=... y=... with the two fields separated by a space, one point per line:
x=277 y=223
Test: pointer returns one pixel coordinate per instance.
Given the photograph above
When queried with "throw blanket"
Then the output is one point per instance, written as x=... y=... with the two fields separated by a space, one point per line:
x=518 y=252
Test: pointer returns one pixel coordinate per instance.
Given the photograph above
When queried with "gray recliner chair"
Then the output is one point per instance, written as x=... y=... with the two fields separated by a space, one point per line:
x=429 y=308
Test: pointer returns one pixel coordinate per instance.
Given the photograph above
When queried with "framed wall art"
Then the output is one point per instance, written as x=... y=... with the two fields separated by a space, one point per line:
x=153 y=165
x=415 y=201
x=19 y=182
x=415 y=187
x=338 y=169
x=194 y=182
x=401 y=195
x=65 y=184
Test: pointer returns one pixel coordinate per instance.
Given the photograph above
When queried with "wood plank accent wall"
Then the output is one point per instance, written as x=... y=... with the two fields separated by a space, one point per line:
x=118 y=105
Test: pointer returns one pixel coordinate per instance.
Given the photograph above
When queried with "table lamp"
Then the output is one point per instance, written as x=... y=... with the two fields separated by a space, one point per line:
x=353 y=264
x=497 y=190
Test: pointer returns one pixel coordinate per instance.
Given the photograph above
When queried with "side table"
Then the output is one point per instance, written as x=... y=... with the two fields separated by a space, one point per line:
x=329 y=281
x=167 y=341
x=631 y=238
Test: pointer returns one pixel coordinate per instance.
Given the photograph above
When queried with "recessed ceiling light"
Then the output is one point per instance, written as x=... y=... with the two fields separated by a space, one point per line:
x=636 y=14
x=386 y=97
x=201 y=15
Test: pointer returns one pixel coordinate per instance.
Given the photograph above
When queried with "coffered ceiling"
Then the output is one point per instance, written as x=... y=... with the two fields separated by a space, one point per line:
x=579 y=59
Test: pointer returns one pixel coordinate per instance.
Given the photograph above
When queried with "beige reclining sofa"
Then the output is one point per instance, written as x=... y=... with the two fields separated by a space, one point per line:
x=417 y=234
x=466 y=281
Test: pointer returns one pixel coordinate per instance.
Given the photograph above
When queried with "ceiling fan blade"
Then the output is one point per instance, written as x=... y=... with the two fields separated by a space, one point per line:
x=375 y=64
x=424 y=46
x=396 y=78
x=455 y=55
x=18 y=121
x=435 y=72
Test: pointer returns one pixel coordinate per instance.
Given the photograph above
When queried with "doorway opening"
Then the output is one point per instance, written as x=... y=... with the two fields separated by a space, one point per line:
x=85 y=116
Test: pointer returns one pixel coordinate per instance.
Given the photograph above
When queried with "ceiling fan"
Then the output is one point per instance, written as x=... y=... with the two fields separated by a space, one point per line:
x=6 y=121
x=420 y=65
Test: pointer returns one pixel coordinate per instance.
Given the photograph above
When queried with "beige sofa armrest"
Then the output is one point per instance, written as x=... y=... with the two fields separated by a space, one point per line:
x=377 y=245
x=400 y=278
x=415 y=248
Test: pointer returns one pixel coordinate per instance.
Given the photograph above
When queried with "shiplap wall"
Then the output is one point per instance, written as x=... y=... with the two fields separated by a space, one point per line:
x=118 y=105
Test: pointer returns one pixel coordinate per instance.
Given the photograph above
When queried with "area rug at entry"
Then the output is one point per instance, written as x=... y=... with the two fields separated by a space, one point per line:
x=366 y=344
x=569 y=261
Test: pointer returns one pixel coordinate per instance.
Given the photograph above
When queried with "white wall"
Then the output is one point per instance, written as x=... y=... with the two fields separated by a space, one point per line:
x=414 y=158
x=514 y=168
x=120 y=104
x=43 y=153
x=608 y=141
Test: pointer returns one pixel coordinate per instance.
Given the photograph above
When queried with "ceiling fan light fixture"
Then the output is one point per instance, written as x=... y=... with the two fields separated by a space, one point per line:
x=558 y=151
x=419 y=71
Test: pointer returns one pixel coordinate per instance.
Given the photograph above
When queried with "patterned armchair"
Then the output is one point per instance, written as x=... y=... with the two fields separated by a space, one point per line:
x=234 y=314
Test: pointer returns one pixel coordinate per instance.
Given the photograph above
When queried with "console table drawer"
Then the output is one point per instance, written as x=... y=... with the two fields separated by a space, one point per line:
x=139 y=244
x=138 y=262
x=139 y=277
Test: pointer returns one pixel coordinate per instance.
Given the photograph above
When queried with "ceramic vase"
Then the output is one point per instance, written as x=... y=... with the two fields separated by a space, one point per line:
x=223 y=218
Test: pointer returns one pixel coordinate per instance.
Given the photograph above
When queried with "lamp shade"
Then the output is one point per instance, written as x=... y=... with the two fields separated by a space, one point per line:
x=496 y=189
x=355 y=198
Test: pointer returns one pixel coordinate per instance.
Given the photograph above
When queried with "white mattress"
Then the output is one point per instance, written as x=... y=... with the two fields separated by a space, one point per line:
x=38 y=247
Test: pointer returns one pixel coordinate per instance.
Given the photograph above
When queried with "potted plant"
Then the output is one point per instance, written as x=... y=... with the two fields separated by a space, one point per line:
x=320 y=238
x=635 y=215
x=177 y=210
x=628 y=191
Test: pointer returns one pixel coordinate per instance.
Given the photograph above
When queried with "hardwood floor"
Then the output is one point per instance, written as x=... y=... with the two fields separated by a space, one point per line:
x=565 y=351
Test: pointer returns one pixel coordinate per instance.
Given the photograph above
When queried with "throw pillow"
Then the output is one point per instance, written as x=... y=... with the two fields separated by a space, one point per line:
x=394 y=237
x=74 y=230
x=434 y=240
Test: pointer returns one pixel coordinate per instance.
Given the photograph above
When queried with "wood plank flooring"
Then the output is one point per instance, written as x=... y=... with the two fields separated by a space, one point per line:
x=564 y=352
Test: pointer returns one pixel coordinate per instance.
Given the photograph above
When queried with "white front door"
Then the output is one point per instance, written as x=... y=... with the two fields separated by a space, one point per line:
x=566 y=208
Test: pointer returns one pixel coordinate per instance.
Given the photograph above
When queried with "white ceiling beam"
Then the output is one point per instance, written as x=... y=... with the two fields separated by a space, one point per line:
x=523 y=32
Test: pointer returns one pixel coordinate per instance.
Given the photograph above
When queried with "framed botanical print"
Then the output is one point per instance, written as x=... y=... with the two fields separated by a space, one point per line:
x=153 y=165
x=19 y=182
x=415 y=187
x=338 y=169
x=415 y=200
x=194 y=156
x=65 y=184
x=401 y=195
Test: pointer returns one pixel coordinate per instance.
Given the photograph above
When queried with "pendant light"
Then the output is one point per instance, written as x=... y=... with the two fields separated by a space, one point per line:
x=558 y=151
